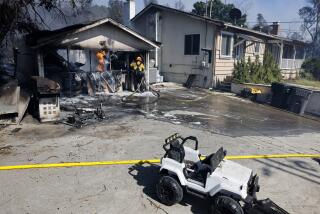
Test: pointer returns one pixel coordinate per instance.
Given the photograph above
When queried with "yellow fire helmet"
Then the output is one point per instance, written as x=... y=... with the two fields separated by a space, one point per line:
x=101 y=54
x=139 y=59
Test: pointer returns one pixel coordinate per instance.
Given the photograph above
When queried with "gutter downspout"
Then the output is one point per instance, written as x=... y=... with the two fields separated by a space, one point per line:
x=214 y=58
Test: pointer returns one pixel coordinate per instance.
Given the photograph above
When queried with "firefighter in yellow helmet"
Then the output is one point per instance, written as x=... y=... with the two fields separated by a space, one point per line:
x=101 y=56
x=137 y=70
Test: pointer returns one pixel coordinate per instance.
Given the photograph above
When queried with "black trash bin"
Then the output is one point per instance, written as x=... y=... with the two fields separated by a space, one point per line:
x=280 y=95
x=298 y=99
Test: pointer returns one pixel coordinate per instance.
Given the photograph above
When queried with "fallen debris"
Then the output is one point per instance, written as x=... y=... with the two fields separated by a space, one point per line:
x=5 y=150
x=16 y=130
x=85 y=116
x=9 y=97
x=13 y=103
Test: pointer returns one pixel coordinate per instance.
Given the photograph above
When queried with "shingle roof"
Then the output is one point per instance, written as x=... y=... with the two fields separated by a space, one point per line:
x=42 y=38
x=214 y=21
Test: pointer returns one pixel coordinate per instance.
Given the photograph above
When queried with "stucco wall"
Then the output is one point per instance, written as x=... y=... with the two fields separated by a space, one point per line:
x=172 y=28
x=290 y=73
x=176 y=66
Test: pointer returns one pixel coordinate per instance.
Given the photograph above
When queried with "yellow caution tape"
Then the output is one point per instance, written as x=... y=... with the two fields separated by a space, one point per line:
x=132 y=162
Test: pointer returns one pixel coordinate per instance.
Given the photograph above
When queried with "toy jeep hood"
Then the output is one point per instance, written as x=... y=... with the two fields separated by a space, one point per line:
x=234 y=172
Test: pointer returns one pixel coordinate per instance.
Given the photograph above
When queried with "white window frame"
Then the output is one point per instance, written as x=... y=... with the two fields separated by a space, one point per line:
x=231 y=45
x=239 y=51
x=255 y=48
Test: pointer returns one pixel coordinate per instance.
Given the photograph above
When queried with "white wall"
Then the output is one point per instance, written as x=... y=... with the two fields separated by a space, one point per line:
x=176 y=66
x=172 y=28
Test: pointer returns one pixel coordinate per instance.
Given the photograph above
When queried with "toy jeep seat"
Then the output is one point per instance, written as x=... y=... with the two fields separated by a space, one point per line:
x=176 y=151
x=214 y=159
x=206 y=166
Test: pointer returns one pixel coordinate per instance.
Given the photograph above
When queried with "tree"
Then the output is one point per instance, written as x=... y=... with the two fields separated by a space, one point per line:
x=296 y=36
x=310 y=15
x=179 y=5
x=24 y=16
x=218 y=10
x=262 y=24
x=115 y=10
x=147 y=2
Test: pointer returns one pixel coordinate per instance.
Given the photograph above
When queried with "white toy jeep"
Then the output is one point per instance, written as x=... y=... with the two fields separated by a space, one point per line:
x=229 y=184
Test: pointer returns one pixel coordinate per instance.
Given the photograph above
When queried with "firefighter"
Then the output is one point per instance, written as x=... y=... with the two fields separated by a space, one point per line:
x=106 y=79
x=101 y=56
x=137 y=70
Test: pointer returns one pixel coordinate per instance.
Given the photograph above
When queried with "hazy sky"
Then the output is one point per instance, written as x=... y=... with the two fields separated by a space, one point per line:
x=273 y=10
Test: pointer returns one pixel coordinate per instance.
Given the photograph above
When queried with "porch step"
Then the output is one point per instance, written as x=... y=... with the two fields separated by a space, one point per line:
x=190 y=81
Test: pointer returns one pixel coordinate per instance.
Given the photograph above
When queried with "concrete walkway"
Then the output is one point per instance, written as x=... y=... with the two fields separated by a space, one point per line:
x=134 y=132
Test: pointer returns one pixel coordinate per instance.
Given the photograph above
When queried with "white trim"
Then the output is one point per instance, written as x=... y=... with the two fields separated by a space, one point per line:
x=231 y=45
x=51 y=39
x=255 y=50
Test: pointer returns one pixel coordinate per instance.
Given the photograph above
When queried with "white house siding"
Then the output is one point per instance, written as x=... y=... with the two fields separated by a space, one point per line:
x=224 y=66
x=250 y=51
x=172 y=27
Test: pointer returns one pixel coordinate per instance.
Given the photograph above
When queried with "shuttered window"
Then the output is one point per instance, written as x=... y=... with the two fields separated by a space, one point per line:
x=192 y=44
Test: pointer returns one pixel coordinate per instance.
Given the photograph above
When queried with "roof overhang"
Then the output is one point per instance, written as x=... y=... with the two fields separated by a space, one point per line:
x=252 y=34
x=68 y=38
x=249 y=38
x=161 y=7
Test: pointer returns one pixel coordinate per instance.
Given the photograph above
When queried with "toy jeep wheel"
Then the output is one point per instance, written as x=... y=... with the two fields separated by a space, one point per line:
x=226 y=205
x=169 y=191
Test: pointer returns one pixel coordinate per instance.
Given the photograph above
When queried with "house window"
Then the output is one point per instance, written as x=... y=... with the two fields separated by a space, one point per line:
x=226 y=44
x=288 y=52
x=239 y=50
x=192 y=44
x=299 y=52
x=257 y=48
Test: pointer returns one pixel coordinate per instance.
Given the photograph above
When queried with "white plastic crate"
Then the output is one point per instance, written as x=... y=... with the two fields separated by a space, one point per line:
x=49 y=109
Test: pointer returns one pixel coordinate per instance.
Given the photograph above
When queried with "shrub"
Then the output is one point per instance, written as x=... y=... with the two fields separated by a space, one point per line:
x=257 y=72
x=311 y=69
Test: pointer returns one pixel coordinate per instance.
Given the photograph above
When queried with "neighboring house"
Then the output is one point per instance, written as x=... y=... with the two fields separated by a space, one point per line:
x=208 y=48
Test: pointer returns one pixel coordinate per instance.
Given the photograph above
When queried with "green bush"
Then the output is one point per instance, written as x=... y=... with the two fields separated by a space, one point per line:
x=257 y=72
x=311 y=69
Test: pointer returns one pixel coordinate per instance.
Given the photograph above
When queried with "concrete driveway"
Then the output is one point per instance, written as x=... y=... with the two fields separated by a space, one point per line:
x=138 y=132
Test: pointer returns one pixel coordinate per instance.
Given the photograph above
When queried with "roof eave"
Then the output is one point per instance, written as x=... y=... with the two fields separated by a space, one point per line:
x=100 y=22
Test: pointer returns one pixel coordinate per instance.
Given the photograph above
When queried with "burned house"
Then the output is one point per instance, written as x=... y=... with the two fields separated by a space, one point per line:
x=67 y=55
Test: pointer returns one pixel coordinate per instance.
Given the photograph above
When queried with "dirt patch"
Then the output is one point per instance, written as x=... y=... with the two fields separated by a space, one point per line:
x=40 y=132
x=108 y=132
x=6 y=150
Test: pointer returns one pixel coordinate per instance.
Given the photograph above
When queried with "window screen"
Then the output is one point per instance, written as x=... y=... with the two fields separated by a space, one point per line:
x=226 y=45
x=192 y=44
x=288 y=52
x=299 y=52
x=257 y=48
